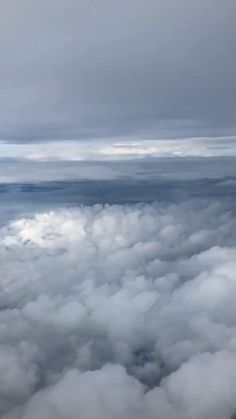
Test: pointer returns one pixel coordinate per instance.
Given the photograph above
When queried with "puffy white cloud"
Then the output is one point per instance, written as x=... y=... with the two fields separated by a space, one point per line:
x=119 y=311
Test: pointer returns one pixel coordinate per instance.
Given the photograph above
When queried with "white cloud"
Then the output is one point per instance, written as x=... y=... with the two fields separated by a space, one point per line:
x=119 y=311
x=119 y=149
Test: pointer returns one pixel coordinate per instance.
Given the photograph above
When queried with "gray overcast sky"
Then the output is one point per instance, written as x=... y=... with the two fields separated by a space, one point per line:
x=99 y=68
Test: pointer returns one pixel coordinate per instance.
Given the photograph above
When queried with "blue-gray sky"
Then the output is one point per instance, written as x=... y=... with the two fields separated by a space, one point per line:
x=84 y=69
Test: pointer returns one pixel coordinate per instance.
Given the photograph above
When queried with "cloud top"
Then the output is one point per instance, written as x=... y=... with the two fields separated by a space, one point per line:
x=119 y=311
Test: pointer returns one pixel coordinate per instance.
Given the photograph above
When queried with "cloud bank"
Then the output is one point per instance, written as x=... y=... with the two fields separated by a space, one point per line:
x=119 y=311
x=188 y=158
x=120 y=149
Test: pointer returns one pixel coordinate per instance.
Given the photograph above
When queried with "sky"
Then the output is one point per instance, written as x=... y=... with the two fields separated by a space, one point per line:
x=117 y=209
x=88 y=69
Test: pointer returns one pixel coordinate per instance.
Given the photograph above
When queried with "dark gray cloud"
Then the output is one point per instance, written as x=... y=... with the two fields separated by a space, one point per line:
x=27 y=186
x=145 y=169
x=83 y=69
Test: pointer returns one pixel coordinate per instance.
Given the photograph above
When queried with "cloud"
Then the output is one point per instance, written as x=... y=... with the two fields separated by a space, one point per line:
x=89 y=69
x=119 y=310
x=120 y=149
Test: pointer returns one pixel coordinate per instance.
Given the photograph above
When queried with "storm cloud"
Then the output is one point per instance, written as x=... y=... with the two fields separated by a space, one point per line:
x=88 y=69
x=119 y=310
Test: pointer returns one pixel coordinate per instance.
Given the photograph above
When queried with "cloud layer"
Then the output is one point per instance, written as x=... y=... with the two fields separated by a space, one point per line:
x=89 y=68
x=118 y=159
x=120 y=149
x=119 y=311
